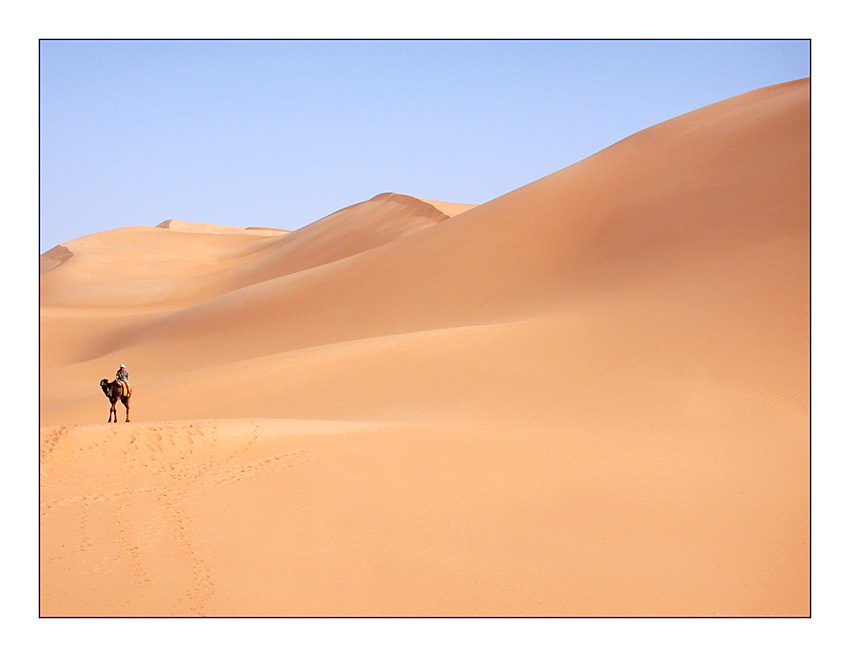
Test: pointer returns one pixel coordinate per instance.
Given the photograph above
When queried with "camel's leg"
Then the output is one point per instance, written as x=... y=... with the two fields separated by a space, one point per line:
x=126 y=403
x=112 y=412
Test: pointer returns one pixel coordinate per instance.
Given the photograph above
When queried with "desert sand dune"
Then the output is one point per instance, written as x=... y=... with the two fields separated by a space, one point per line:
x=347 y=232
x=589 y=396
x=449 y=209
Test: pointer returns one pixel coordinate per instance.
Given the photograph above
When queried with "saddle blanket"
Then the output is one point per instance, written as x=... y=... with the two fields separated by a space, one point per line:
x=125 y=388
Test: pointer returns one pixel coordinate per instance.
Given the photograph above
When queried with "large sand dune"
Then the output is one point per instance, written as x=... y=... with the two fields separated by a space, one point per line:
x=589 y=396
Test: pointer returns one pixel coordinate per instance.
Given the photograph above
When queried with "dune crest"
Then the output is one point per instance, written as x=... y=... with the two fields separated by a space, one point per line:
x=449 y=209
x=194 y=227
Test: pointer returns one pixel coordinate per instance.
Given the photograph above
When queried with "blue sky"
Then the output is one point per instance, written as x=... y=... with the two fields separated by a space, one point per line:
x=282 y=133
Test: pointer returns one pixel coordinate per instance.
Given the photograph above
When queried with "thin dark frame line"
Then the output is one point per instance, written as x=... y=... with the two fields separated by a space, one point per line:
x=811 y=549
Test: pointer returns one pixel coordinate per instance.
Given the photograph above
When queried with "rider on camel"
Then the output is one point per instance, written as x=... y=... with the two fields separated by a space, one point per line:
x=123 y=375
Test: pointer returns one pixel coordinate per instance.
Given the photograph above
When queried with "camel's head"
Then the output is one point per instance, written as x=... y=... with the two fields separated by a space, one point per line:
x=104 y=383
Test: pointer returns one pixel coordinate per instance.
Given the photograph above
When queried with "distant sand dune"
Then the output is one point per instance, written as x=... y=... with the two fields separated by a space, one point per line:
x=449 y=209
x=53 y=258
x=588 y=396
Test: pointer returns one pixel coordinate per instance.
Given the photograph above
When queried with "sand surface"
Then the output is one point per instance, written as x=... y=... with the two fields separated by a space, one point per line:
x=586 y=397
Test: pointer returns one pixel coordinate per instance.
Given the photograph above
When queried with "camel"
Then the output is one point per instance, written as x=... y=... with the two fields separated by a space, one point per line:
x=113 y=391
